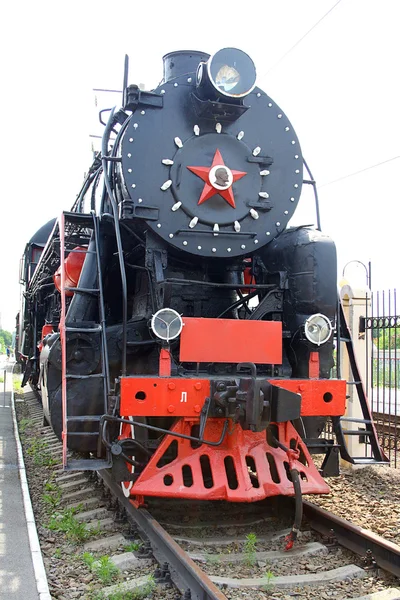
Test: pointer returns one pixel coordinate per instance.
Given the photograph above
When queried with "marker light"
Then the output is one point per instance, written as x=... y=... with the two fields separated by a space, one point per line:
x=318 y=329
x=166 y=324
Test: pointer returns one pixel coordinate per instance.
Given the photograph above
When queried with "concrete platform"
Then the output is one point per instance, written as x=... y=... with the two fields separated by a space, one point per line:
x=21 y=567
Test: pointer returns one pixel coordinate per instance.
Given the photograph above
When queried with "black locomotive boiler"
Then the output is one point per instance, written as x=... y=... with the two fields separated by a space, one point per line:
x=178 y=331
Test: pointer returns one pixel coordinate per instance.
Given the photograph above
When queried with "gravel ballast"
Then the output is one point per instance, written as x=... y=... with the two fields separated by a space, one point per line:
x=369 y=497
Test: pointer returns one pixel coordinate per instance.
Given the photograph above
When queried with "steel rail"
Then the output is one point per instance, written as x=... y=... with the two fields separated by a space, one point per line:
x=354 y=538
x=393 y=420
x=184 y=572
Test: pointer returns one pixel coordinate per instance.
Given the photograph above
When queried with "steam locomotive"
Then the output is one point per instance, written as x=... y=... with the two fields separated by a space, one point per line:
x=178 y=331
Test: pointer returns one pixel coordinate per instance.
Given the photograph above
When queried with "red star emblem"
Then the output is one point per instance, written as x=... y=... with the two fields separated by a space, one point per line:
x=211 y=189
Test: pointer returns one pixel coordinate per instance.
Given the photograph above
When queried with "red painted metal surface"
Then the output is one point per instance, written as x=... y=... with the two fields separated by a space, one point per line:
x=211 y=188
x=46 y=329
x=313 y=365
x=248 y=277
x=184 y=397
x=319 y=397
x=164 y=366
x=157 y=397
x=72 y=270
x=223 y=472
x=231 y=340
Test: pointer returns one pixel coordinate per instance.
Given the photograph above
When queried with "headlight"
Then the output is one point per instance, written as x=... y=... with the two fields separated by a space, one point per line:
x=230 y=71
x=166 y=324
x=318 y=329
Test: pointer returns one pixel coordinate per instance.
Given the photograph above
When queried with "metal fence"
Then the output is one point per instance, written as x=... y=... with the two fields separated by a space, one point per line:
x=381 y=327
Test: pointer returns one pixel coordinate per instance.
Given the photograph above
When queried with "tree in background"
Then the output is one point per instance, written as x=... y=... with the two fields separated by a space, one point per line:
x=387 y=339
x=5 y=340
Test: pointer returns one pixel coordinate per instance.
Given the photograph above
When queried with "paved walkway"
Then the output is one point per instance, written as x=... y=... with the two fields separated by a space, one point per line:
x=17 y=579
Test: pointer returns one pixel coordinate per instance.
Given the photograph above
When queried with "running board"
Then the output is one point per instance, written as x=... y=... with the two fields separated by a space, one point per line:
x=87 y=464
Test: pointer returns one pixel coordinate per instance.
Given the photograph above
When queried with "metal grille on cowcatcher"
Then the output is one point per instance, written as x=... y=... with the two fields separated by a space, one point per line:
x=244 y=468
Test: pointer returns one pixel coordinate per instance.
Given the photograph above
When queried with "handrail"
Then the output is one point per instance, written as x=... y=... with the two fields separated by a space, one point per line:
x=63 y=342
x=114 y=206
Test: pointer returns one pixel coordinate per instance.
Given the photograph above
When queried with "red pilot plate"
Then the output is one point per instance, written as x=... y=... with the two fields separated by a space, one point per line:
x=319 y=397
x=231 y=341
x=161 y=397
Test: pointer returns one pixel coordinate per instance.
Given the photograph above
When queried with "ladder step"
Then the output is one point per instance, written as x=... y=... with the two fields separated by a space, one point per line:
x=82 y=290
x=342 y=339
x=79 y=251
x=322 y=446
x=87 y=464
x=362 y=460
x=85 y=433
x=84 y=329
x=84 y=219
x=363 y=432
x=355 y=420
x=84 y=419
x=92 y=376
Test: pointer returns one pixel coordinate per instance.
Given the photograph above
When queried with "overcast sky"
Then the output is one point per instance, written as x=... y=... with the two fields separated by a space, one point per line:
x=339 y=87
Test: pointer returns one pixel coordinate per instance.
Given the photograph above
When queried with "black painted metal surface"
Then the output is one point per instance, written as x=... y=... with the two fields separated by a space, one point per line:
x=249 y=144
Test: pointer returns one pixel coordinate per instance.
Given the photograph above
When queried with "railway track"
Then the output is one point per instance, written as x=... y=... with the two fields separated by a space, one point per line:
x=388 y=427
x=209 y=551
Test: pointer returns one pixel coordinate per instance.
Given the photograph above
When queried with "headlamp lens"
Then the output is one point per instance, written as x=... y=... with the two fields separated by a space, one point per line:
x=227 y=78
x=166 y=324
x=232 y=72
x=318 y=329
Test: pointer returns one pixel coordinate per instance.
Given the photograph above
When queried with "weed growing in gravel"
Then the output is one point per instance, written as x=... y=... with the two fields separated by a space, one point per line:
x=146 y=591
x=37 y=448
x=53 y=496
x=50 y=486
x=269 y=577
x=121 y=594
x=39 y=451
x=52 y=500
x=57 y=553
x=105 y=570
x=250 y=548
x=24 y=424
x=65 y=522
x=88 y=559
x=103 y=567
x=212 y=559
x=133 y=547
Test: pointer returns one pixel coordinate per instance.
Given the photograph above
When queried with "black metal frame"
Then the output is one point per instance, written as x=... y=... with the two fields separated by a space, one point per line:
x=110 y=419
x=381 y=328
x=369 y=434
